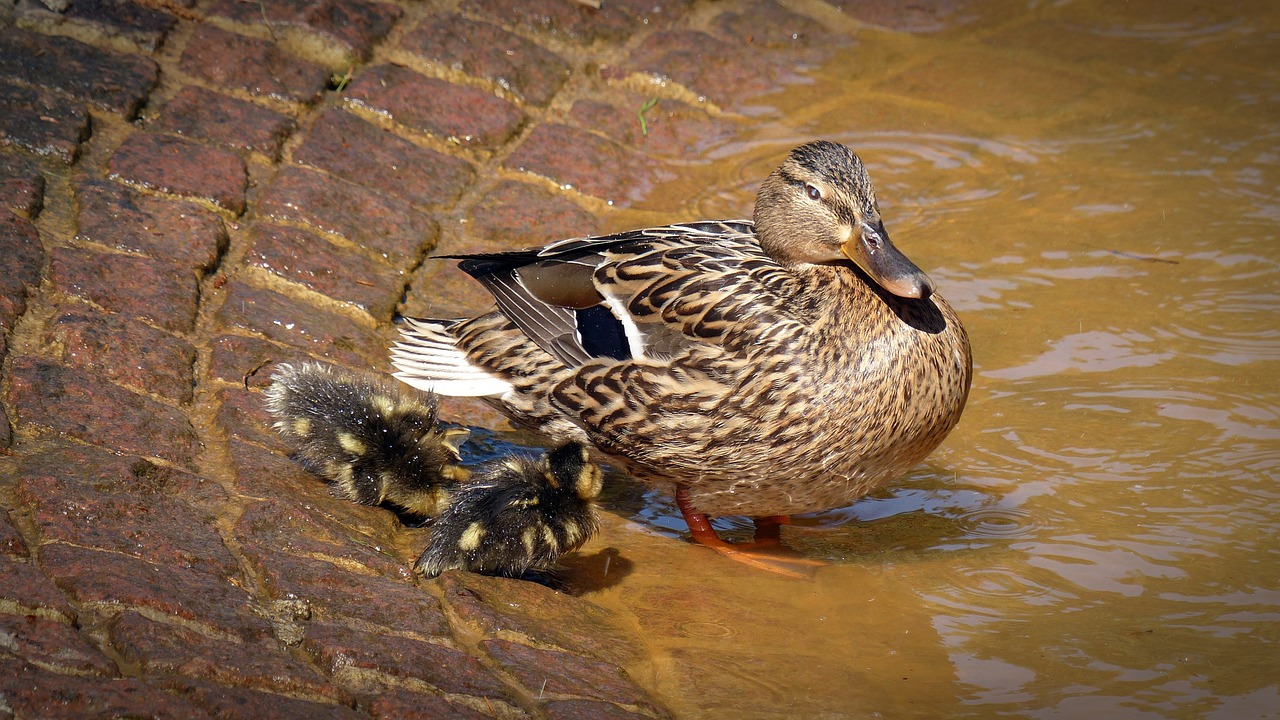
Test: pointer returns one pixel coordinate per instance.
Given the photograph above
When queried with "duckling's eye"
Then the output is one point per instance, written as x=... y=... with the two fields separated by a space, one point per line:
x=814 y=193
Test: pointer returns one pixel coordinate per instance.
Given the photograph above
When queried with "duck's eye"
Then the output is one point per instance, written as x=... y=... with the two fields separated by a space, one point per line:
x=814 y=193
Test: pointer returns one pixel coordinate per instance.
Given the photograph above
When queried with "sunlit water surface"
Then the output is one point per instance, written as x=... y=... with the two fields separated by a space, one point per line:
x=1094 y=186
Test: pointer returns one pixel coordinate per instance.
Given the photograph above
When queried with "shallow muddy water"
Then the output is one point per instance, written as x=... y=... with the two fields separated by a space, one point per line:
x=1094 y=186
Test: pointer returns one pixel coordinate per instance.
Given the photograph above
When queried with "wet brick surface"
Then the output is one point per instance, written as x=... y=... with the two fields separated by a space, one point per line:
x=192 y=194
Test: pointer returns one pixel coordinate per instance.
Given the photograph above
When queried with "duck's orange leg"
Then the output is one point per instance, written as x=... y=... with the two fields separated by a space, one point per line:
x=768 y=537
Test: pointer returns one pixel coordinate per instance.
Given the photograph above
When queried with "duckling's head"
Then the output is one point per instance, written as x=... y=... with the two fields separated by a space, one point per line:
x=569 y=466
x=818 y=207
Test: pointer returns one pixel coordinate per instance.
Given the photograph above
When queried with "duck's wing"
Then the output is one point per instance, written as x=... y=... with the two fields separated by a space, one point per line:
x=650 y=294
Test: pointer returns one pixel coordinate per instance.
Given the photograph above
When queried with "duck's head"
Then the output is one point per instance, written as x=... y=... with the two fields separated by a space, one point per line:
x=819 y=207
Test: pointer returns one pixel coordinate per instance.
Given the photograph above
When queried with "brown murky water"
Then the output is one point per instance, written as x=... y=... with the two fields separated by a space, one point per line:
x=1095 y=186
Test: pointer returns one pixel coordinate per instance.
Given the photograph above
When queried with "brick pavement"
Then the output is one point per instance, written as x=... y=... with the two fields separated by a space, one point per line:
x=193 y=191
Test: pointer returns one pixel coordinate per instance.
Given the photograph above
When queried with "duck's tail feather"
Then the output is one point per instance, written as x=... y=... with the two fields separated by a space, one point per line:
x=428 y=358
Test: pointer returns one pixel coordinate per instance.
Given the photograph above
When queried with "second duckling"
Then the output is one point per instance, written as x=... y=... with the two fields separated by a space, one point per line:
x=374 y=440
x=518 y=514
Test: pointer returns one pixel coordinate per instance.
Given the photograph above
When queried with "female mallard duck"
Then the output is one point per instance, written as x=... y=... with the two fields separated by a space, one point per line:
x=785 y=365
x=517 y=515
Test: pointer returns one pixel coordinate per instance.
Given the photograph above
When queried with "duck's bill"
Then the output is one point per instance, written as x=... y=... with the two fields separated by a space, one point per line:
x=872 y=251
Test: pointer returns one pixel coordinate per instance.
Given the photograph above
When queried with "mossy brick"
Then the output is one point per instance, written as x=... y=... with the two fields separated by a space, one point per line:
x=671 y=129
x=42 y=123
x=99 y=577
x=919 y=16
x=53 y=645
x=92 y=498
x=573 y=157
x=486 y=51
x=380 y=224
x=84 y=406
x=238 y=703
x=159 y=648
x=228 y=60
x=403 y=704
x=21 y=185
x=563 y=673
x=361 y=152
x=317 y=332
x=144 y=26
x=23 y=260
x=462 y=114
x=30 y=691
x=178 y=166
x=340 y=650
x=126 y=352
x=155 y=290
x=104 y=78
x=344 y=274
x=121 y=218
x=355 y=24
x=205 y=115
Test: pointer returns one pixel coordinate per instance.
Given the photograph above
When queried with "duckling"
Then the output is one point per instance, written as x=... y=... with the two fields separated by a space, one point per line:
x=375 y=441
x=518 y=515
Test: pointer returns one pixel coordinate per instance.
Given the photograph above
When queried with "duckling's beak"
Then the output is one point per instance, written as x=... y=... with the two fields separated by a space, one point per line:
x=870 y=249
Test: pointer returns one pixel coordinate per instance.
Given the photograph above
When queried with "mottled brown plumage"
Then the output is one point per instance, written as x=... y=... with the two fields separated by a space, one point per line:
x=785 y=365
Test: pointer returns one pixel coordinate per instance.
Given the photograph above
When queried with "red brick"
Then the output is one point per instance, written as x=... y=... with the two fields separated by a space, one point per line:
x=23 y=258
x=92 y=498
x=487 y=51
x=11 y=543
x=107 y=79
x=566 y=674
x=590 y=710
x=243 y=414
x=53 y=645
x=401 y=704
x=126 y=352
x=33 y=692
x=182 y=167
x=234 y=61
x=21 y=186
x=588 y=163
x=160 y=648
x=675 y=130
x=338 y=649
x=470 y=117
x=249 y=361
x=235 y=703
x=731 y=73
x=318 y=332
x=373 y=221
x=344 y=274
x=86 y=407
x=42 y=123
x=98 y=577
x=548 y=618
x=24 y=590
x=764 y=24
x=355 y=24
x=515 y=214
x=271 y=474
x=117 y=217
x=364 y=153
x=198 y=113
x=338 y=595
x=145 y=27
x=613 y=21
x=155 y=290
x=919 y=16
